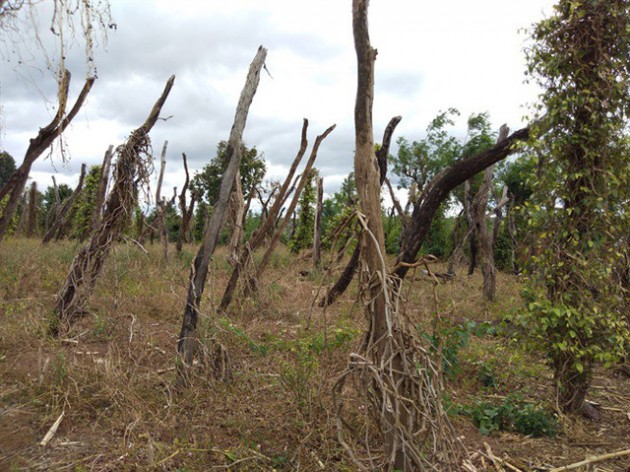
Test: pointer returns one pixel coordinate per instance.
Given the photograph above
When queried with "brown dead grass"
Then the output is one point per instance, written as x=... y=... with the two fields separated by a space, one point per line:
x=114 y=379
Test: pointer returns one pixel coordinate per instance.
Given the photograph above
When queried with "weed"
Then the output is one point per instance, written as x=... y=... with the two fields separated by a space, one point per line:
x=512 y=414
x=451 y=340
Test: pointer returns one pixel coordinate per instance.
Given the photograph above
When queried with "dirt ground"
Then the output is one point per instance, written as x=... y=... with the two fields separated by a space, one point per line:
x=112 y=381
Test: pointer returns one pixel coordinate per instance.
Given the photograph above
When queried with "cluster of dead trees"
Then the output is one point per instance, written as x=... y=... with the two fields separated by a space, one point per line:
x=389 y=350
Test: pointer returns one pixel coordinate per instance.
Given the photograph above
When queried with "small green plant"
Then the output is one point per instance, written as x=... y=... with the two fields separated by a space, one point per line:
x=59 y=369
x=450 y=340
x=513 y=414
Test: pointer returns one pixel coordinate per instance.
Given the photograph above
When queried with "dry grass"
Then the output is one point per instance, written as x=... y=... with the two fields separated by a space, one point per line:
x=114 y=378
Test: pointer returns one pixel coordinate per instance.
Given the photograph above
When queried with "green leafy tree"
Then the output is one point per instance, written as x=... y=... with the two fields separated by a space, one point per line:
x=7 y=167
x=579 y=208
x=208 y=181
x=418 y=162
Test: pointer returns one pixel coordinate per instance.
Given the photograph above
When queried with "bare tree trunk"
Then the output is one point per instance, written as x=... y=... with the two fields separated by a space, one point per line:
x=186 y=212
x=64 y=215
x=237 y=205
x=45 y=137
x=263 y=230
x=469 y=211
x=160 y=205
x=317 y=232
x=199 y=271
x=102 y=186
x=251 y=286
x=32 y=211
x=88 y=264
x=486 y=241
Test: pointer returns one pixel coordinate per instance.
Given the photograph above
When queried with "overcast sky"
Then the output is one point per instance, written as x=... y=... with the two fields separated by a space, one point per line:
x=432 y=55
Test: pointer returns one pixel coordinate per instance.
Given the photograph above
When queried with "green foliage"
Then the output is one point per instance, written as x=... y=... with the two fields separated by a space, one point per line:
x=512 y=414
x=7 y=167
x=303 y=237
x=208 y=181
x=450 y=340
x=418 y=162
x=578 y=210
x=85 y=204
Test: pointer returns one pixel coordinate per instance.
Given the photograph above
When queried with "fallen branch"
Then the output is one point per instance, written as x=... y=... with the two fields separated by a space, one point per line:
x=51 y=432
x=592 y=460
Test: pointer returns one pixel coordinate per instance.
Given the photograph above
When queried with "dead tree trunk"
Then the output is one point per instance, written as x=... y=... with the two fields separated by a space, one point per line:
x=199 y=271
x=317 y=232
x=387 y=367
x=32 y=211
x=263 y=230
x=481 y=225
x=87 y=265
x=348 y=272
x=469 y=211
x=187 y=212
x=252 y=283
x=160 y=205
x=102 y=187
x=53 y=211
x=237 y=204
x=46 y=136
x=64 y=216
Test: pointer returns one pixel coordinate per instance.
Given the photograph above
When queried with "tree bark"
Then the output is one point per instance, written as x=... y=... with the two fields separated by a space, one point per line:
x=199 y=271
x=88 y=264
x=45 y=137
x=237 y=204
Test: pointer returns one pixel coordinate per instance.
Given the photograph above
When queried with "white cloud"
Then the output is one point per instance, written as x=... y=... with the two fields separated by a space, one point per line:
x=432 y=55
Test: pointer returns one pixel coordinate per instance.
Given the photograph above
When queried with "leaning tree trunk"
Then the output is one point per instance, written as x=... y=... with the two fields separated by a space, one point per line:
x=486 y=241
x=199 y=271
x=46 y=136
x=88 y=264
x=443 y=183
x=253 y=281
